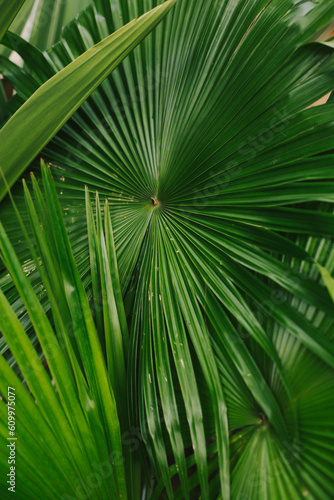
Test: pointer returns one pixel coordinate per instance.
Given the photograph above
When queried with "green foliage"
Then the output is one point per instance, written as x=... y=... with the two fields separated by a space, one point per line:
x=84 y=422
x=201 y=295
x=41 y=21
x=8 y=13
x=61 y=95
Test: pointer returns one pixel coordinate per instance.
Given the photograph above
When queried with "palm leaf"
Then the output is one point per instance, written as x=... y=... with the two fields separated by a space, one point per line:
x=90 y=69
x=219 y=179
x=40 y=22
x=86 y=409
x=8 y=13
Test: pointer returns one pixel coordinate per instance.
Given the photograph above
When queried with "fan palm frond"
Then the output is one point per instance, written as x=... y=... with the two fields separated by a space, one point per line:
x=219 y=180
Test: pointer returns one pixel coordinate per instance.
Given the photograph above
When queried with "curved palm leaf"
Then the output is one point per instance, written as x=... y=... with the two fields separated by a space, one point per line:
x=219 y=180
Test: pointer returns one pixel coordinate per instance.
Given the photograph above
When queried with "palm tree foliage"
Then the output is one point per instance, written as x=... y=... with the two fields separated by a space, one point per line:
x=41 y=21
x=218 y=177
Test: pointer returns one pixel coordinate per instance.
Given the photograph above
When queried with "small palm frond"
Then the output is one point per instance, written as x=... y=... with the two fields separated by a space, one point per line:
x=75 y=411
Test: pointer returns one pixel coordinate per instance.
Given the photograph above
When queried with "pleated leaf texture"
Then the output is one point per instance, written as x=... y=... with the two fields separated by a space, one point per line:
x=208 y=273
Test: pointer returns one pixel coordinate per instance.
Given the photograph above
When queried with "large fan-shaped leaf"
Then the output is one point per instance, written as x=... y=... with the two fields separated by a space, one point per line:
x=219 y=180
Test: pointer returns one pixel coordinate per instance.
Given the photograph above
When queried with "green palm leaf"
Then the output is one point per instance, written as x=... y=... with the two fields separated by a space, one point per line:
x=8 y=13
x=60 y=96
x=86 y=408
x=40 y=22
x=219 y=180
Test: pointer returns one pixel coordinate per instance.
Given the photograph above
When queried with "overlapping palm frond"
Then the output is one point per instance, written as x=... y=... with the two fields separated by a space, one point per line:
x=219 y=179
x=80 y=412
